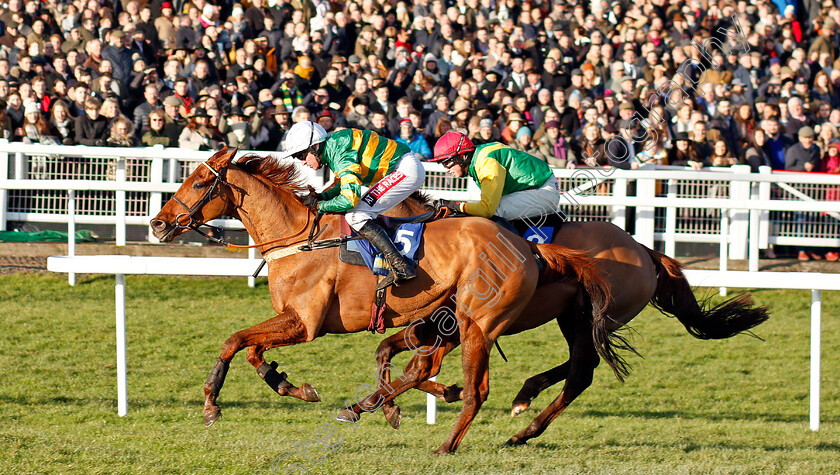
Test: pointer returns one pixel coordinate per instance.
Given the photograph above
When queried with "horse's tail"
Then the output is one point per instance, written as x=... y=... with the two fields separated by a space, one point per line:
x=563 y=262
x=674 y=296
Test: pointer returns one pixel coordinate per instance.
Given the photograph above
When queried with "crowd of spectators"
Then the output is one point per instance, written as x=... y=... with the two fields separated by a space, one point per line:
x=692 y=82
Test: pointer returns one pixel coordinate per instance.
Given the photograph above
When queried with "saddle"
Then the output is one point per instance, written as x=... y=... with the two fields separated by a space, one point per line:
x=349 y=252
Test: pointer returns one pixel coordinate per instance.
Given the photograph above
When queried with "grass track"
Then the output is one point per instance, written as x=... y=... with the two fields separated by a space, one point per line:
x=690 y=406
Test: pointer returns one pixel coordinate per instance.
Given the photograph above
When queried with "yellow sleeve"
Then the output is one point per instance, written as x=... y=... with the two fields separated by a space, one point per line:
x=491 y=175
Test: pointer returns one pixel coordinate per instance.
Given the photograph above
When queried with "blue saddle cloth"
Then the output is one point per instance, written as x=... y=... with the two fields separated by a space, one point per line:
x=406 y=238
x=540 y=230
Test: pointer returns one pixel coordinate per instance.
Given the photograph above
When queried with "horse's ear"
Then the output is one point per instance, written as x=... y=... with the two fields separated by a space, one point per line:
x=226 y=157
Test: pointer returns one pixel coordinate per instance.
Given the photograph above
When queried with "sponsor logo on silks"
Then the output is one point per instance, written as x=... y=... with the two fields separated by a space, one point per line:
x=385 y=184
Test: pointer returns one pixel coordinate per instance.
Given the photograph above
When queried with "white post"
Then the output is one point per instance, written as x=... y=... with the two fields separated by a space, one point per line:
x=71 y=231
x=724 y=241
x=816 y=304
x=671 y=220
x=122 y=393
x=20 y=166
x=755 y=215
x=4 y=194
x=739 y=190
x=155 y=198
x=619 y=212
x=119 y=196
x=764 y=215
x=431 y=406
x=645 y=188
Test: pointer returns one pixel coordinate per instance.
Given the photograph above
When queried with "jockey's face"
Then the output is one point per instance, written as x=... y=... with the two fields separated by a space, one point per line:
x=312 y=161
x=453 y=169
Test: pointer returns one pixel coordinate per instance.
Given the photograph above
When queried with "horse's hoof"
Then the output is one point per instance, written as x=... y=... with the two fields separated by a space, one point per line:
x=347 y=416
x=443 y=450
x=309 y=393
x=452 y=393
x=515 y=442
x=519 y=408
x=211 y=416
x=392 y=415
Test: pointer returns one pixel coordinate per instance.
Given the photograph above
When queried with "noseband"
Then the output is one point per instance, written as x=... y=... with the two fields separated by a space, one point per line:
x=191 y=211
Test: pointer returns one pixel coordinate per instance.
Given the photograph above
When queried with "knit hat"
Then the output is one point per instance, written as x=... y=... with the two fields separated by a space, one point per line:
x=523 y=131
x=31 y=107
x=485 y=123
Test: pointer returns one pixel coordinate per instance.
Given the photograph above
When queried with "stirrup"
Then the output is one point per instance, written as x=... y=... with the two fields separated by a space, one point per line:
x=392 y=279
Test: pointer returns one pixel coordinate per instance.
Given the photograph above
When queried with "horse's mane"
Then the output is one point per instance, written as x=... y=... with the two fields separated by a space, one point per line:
x=283 y=176
x=421 y=198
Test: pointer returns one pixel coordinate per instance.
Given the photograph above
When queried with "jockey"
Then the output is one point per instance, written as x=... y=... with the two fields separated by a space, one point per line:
x=514 y=184
x=360 y=158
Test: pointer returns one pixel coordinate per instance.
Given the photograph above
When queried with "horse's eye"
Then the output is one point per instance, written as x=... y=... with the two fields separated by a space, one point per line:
x=198 y=185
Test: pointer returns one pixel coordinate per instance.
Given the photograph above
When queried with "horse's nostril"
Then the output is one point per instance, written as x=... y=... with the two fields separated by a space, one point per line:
x=158 y=224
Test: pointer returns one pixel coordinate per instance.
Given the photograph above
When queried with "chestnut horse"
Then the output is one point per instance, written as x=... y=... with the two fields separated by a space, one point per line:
x=314 y=293
x=636 y=276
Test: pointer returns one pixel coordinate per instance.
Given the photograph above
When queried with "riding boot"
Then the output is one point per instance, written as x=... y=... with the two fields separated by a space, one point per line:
x=400 y=269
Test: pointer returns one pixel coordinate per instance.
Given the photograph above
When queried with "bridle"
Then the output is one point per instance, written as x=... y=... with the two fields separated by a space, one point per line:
x=191 y=211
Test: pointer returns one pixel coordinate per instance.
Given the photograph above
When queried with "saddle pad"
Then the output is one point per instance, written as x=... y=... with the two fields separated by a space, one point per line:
x=540 y=229
x=360 y=252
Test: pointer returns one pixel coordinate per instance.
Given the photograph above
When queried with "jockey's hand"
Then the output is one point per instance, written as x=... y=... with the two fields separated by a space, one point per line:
x=311 y=201
x=454 y=206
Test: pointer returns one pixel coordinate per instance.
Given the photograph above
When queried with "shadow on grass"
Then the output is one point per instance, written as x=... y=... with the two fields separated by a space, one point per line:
x=709 y=416
x=693 y=446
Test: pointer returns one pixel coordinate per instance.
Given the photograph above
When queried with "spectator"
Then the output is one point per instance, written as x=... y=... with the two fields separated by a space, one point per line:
x=756 y=153
x=552 y=147
x=415 y=141
x=721 y=156
x=486 y=132
x=35 y=129
x=805 y=155
x=685 y=153
x=357 y=117
x=141 y=112
x=196 y=135
x=157 y=133
x=122 y=133
x=92 y=128
x=62 y=126
x=239 y=134
x=175 y=122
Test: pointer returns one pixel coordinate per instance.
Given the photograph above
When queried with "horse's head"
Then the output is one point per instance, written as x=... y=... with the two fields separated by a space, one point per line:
x=203 y=196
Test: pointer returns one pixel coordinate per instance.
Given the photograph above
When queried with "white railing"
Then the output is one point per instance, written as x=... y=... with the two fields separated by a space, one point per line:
x=744 y=211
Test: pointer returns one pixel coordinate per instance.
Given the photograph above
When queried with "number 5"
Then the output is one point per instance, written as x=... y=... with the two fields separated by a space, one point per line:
x=402 y=240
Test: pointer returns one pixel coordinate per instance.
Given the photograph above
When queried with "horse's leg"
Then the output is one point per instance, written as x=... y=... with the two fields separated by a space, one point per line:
x=582 y=363
x=404 y=340
x=418 y=370
x=282 y=330
x=476 y=366
x=536 y=384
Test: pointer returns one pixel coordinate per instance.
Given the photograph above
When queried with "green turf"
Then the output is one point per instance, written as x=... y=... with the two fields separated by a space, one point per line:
x=690 y=406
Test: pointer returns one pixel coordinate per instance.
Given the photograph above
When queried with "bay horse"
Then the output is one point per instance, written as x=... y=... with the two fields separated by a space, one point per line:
x=636 y=276
x=487 y=272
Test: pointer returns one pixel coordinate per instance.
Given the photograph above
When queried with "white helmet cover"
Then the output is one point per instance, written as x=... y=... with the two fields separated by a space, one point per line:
x=302 y=136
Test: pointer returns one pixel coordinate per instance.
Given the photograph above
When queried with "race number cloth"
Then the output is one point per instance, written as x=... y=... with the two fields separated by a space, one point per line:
x=407 y=239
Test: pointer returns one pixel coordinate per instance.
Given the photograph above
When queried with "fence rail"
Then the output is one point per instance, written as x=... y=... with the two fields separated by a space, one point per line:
x=742 y=211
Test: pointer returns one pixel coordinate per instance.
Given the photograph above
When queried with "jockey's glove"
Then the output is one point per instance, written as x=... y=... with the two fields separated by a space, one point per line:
x=454 y=206
x=311 y=201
